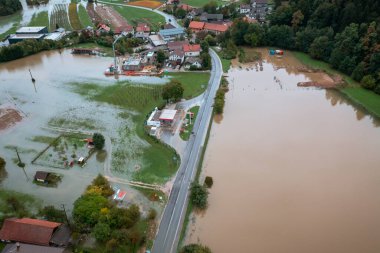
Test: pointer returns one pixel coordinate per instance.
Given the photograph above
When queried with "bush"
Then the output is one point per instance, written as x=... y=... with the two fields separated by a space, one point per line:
x=98 y=140
x=198 y=196
x=368 y=82
x=102 y=232
x=172 y=91
x=195 y=248
x=209 y=182
x=51 y=213
x=152 y=214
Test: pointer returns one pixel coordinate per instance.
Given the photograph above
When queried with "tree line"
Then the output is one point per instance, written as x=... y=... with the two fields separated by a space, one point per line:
x=8 y=7
x=343 y=33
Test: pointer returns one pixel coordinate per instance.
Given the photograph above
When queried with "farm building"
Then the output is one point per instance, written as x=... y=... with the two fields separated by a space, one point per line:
x=153 y=119
x=41 y=176
x=177 y=57
x=142 y=31
x=32 y=30
x=193 y=62
x=206 y=17
x=172 y=34
x=126 y=29
x=132 y=64
x=157 y=40
x=33 y=231
x=175 y=45
x=215 y=28
x=29 y=248
x=192 y=50
x=196 y=26
x=14 y=38
x=167 y=117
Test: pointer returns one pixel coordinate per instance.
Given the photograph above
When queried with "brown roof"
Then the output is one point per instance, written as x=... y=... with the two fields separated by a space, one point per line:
x=174 y=45
x=42 y=175
x=124 y=28
x=29 y=248
x=196 y=25
x=185 y=7
x=142 y=27
x=215 y=27
x=27 y=230
x=192 y=48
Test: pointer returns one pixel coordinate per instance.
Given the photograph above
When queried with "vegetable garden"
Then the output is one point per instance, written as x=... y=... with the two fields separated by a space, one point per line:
x=59 y=17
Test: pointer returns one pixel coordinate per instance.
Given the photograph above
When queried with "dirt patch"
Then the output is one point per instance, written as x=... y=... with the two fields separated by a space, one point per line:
x=325 y=81
x=92 y=13
x=147 y=4
x=9 y=117
x=111 y=16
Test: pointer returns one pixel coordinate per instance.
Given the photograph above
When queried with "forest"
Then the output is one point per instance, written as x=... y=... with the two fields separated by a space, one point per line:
x=8 y=7
x=344 y=33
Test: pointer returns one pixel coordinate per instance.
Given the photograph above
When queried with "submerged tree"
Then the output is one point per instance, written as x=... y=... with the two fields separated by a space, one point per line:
x=98 y=140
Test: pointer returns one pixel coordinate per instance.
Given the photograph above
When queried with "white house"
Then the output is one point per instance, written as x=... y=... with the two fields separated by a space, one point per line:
x=192 y=50
x=177 y=57
x=245 y=8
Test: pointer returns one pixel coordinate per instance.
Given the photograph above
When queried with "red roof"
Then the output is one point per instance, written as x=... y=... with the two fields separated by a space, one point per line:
x=27 y=230
x=215 y=27
x=142 y=27
x=185 y=7
x=196 y=25
x=125 y=28
x=192 y=48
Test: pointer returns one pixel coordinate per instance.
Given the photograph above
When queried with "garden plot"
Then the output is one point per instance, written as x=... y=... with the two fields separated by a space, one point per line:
x=59 y=17
x=111 y=16
x=74 y=17
x=65 y=152
x=95 y=18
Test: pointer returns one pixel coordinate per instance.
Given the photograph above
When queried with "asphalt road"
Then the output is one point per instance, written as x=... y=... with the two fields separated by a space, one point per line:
x=172 y=220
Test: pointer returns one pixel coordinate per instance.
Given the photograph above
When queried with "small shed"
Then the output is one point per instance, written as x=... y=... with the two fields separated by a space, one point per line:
x=119 y=195
x=167 y=117
x=41 y=176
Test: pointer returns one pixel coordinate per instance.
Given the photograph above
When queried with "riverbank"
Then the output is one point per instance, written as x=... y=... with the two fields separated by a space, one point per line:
x=358 y=95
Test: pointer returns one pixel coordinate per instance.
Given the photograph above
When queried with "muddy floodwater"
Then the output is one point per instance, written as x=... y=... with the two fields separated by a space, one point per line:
x=295 y=169
x=50 y=107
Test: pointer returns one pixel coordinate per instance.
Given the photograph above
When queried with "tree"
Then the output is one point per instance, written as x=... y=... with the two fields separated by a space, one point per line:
x=8 y=7
x=195 y=248
x=206 y=60
x=98 y=140
x=209 y=182
x=161 y=57
x=51 y=213
x=3 y=171
x=101 y=183
x=204 y=46
x=198 y=196
x=172 y=91
x=152 y=214
x=86 y=210
x=180 y=13
x=368 y=82
x=321 y=48
x=102 y=232
x=210 y=7
x=297 y=19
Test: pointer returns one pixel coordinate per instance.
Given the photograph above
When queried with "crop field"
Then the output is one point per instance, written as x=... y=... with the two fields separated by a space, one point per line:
x=74 y=18
x=111 y=17
x=146 y=3
x=134 y=15
x=84 y=18
x=94 y=16
x=63 y=150
x=40 y=19
x=59 y=17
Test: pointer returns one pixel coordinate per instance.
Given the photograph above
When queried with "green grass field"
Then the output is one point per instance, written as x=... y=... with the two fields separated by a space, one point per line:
x=40 y=19
x=226 y=64
x=365 y=98
x=192 y=82
x=135 y=15
x=201 y=3
x=15 y=19
x=84 y=18
x=186 y=135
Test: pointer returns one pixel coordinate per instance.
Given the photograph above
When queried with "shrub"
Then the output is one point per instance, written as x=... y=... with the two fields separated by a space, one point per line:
x=209 y=181
x=198 y=196
x=98 y=140
x=368 y=82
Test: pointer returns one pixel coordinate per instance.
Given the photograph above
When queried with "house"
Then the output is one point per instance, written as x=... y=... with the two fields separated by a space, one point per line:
x=177 y=57
x=245 y=8
x=175 y=45
x=29 y=248
x=171 y=34
x=196 y=26
x=126 y=29
x=215 y=28
x=185 y=7
x=102 y=28
x=153 y=120
x=157 y=40
x=142 y=30
x=192 y=50
x=167 y=117
x=205 y=17
x=194 y=62
x=260 y=8
x=41 y=176
x=33 y=231
x=132 y=64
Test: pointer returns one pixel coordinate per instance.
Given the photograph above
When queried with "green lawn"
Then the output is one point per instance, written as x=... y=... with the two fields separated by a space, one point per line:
x=226 y=64
x=84 y=17
x=192 y=82
x=186 y=134
x=135 y=15
x=201 y=3
x=15 y=19
x=40 y=19
x=368 y=99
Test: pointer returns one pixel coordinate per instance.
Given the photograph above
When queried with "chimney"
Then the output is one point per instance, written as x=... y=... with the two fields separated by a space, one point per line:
x=17 y=246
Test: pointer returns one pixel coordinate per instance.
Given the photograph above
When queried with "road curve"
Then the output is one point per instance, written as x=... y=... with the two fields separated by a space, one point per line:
x=172 y=220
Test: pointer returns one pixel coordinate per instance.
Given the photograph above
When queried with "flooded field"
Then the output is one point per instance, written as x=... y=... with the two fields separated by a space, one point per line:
x=295 y=169
x=52 y=106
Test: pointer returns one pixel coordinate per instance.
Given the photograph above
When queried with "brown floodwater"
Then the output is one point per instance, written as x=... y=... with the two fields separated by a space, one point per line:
x=295 y=169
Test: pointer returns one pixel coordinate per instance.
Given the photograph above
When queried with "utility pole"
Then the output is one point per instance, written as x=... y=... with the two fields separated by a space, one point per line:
x=114 y=54
x=67 y=219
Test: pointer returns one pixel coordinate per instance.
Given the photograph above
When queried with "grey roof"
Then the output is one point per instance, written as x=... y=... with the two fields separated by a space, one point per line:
x=42 y=175
x=171 y=32
x=260 y=1
x=27 y=36
x=30 y=29
x=29 y=248
x=61 y=236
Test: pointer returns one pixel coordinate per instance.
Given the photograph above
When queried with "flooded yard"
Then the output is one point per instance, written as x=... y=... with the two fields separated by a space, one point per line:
x=60 y=102
x=295 y=169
